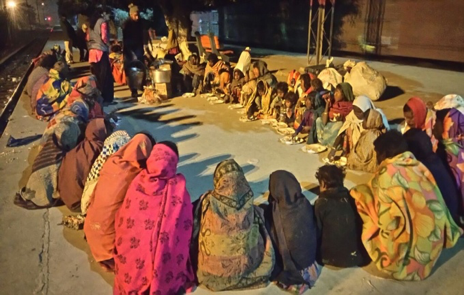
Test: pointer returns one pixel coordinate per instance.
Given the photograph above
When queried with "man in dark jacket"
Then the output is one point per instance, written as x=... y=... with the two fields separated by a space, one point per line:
x=69 y=38
x=135 y=38
x=339 y=223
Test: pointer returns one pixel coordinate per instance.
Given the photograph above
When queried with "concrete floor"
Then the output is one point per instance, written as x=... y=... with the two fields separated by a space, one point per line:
x=39 y=256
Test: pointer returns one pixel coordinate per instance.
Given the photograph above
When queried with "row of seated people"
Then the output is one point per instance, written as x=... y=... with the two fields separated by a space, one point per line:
x=145 y=228
x=330 y=118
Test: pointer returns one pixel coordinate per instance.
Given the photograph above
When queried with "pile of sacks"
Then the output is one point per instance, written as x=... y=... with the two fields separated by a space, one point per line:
x=363 y=78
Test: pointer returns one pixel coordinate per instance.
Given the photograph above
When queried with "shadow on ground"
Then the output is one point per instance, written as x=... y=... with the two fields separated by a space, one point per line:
x=391 y=92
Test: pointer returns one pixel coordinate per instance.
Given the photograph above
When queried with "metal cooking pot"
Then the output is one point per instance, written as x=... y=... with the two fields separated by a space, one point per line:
x=161 y=75
x=136 y=75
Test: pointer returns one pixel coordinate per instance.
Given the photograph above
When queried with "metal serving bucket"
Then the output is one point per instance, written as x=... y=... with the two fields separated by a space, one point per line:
x=136 y=75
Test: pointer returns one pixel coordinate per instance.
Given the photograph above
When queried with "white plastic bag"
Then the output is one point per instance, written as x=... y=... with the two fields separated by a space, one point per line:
x=330 y=78
x=366 y=81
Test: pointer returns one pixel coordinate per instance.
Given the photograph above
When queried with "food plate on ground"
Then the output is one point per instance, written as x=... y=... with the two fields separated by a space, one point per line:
x=285 y=131
x=341 y=162
x=314 y=148
x=246 y=119
x=265 y=122
x=212 y=98
x=287 y=140
x=188 y=94
x=272 y=121
x=253 y=161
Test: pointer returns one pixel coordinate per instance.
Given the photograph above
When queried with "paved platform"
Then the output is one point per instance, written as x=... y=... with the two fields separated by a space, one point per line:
x=39 y=256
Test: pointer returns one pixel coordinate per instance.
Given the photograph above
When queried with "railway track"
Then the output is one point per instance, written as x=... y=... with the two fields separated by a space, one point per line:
x=14 y=71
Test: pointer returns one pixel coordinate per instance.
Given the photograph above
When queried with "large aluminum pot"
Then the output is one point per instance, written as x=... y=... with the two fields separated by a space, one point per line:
x=161 y=75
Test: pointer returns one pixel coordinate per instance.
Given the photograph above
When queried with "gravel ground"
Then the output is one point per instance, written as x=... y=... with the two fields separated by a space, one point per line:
x=13 y=69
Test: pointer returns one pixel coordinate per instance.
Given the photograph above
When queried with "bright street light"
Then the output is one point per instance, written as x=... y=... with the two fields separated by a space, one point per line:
x=11 y=4
x=43 y=4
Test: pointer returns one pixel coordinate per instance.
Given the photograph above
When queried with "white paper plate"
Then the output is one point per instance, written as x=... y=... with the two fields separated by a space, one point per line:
x=188 y=94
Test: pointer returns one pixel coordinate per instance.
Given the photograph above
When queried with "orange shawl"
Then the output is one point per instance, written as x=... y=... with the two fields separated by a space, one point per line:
x=115 y=177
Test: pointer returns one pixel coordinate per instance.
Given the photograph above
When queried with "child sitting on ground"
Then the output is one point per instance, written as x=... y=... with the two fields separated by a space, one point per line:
x=288 y=114
x=235 y=88
x=338 y=221
x=278 y=99
x=308 y=116
x=258 y=105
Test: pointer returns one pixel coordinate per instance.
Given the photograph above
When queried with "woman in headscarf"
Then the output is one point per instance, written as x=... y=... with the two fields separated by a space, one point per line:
x=363 y=157
x=417 y=115
x=52 y=96
x=262 y=73
x=352 y=128
x=406 y=222
x=77 y=163
x=261 y=98
x=115 y=177
x=86 y=90
x=333 y=117
x=193 y=73
x=76 y=114
x=154 y=228
x=292 y=225
x=449 y=130
x=111 y=145
x=244 y=61
x=41 y=188
x=37 y=78
x=450 y=101
x=248 y=90
x=419 y=144
x=259 y=105
x=234 y=250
